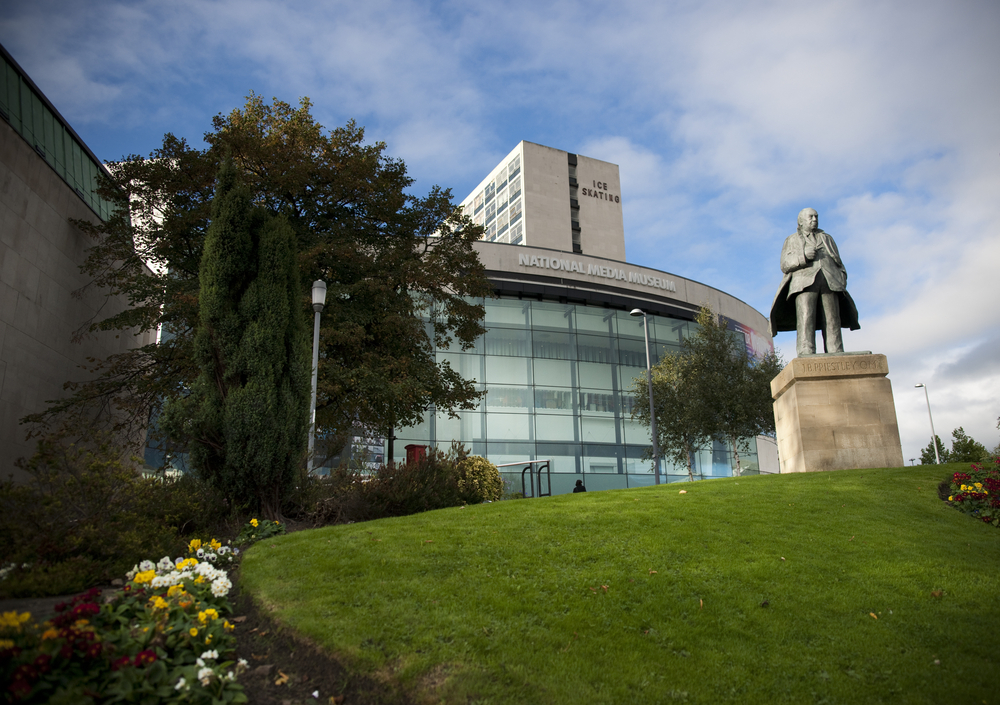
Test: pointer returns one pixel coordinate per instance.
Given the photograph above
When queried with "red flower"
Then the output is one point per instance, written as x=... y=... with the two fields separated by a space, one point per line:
x=43 y=663
x=121 y=663
x=144 y=657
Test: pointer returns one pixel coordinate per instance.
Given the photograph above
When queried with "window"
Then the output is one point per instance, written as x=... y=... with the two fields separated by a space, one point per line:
x=516 y=232
x=491 y=190
x=501 y=178
x=491 y=232
x=515 y=210
x=491 y=210
x=515 y=187
x=514 y=166
x=479 y=201
x=502 y=199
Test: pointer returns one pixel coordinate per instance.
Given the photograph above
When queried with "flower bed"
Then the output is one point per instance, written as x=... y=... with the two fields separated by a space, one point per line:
x=977 y=492
x=163 y=638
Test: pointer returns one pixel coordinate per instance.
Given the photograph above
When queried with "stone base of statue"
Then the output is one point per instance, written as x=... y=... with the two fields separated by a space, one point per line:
x=834 y=412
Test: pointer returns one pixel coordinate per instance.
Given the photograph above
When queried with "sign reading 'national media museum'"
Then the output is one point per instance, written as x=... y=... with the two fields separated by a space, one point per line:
x=594 y=270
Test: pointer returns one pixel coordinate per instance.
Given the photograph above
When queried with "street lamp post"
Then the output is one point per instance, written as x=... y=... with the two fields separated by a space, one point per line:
x=937 y=458
x=649 y=380
x=319 y=301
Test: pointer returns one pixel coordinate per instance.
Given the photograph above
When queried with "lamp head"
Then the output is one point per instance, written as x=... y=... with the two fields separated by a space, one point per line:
x=918 y=385
x=636 y=312
x=319 y=295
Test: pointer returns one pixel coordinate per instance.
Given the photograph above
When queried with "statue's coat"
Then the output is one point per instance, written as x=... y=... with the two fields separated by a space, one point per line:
x=801 y=272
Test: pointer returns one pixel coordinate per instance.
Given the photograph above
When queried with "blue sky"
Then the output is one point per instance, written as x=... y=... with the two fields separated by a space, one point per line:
x=726 y=119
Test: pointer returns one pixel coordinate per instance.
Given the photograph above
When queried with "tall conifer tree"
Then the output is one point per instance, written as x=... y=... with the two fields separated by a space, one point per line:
x=247 y=411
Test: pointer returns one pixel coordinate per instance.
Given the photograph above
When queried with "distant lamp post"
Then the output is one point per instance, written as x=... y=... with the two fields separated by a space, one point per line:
x=937 y=458
x=319 y=301
x=649 y=380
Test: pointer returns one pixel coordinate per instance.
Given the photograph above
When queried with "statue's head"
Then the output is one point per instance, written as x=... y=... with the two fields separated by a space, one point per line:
x=808 y=220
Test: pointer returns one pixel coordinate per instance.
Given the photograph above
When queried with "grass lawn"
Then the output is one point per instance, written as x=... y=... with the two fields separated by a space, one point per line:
x=853 y=586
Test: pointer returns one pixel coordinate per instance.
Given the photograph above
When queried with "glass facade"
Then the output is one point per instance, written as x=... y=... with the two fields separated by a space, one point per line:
x=557 y=379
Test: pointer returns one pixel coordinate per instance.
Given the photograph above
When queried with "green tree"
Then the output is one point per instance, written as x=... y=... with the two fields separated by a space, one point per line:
x=711 y=390
x=733 y=388
x=680 y=422
x=965 y=449
x=401 y=270
x=246 y=414
x=927 y=453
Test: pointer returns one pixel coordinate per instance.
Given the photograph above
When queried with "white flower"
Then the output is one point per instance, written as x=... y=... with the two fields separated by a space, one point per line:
x=165 y=564
x=132 y=573
x=200 y=662
x=146 y=565
x=224 y=550
x=205 y=675
x=181 y=685
x=205 y=568
x=210 y=556
x=161 y=581
x=200 y=553
x=231 y=676
x=243 y=663
x=220 y=586
x=212 y=654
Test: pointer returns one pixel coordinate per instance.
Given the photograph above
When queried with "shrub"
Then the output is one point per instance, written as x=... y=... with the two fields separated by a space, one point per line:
x=436 y=481
x=977 y=492
x=85 y=510
x=479 y=480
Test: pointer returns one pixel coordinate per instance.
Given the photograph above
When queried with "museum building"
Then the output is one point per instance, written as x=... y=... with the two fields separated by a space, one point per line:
x=561 y=349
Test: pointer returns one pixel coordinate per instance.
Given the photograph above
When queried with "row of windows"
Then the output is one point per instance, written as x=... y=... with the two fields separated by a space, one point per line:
x=30 y=117
x=601 y=464
x=493 y=370
x=609 y=324
x=506 y=173
x=498 y=208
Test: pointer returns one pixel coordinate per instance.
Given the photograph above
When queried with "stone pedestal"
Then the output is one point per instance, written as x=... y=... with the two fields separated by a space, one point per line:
x=834 y=412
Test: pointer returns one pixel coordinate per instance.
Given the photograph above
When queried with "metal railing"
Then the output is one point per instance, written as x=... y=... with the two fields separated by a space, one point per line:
x=531 y=471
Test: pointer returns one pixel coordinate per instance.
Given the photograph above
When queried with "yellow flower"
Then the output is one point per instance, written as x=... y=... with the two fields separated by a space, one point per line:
x=950 y=499
x=979 y=485
x=187 y=563
x=50 y=633
x=199 y=580
x=253 y=523
x=194 y=545
x=208 y=639
x=175 y=590
x=81 y=623
x=215 y=545
x=193 y=631
x=13 y=620
x=227 y=626
x=144 y=577
x=159 y=603
x=6 y=644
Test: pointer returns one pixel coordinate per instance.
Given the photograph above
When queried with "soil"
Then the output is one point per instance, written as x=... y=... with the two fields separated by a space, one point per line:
x=287 y=670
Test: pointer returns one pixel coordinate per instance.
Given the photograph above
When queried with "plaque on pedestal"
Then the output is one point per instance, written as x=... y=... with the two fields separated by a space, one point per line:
x=834 y=412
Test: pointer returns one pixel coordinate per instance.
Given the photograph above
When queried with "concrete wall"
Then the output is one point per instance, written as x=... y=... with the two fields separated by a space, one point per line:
x=547 y=221
x=40 y=254
x=602 y=231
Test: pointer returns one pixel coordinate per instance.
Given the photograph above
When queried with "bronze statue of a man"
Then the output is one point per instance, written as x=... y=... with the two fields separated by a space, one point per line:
x=813 y=293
